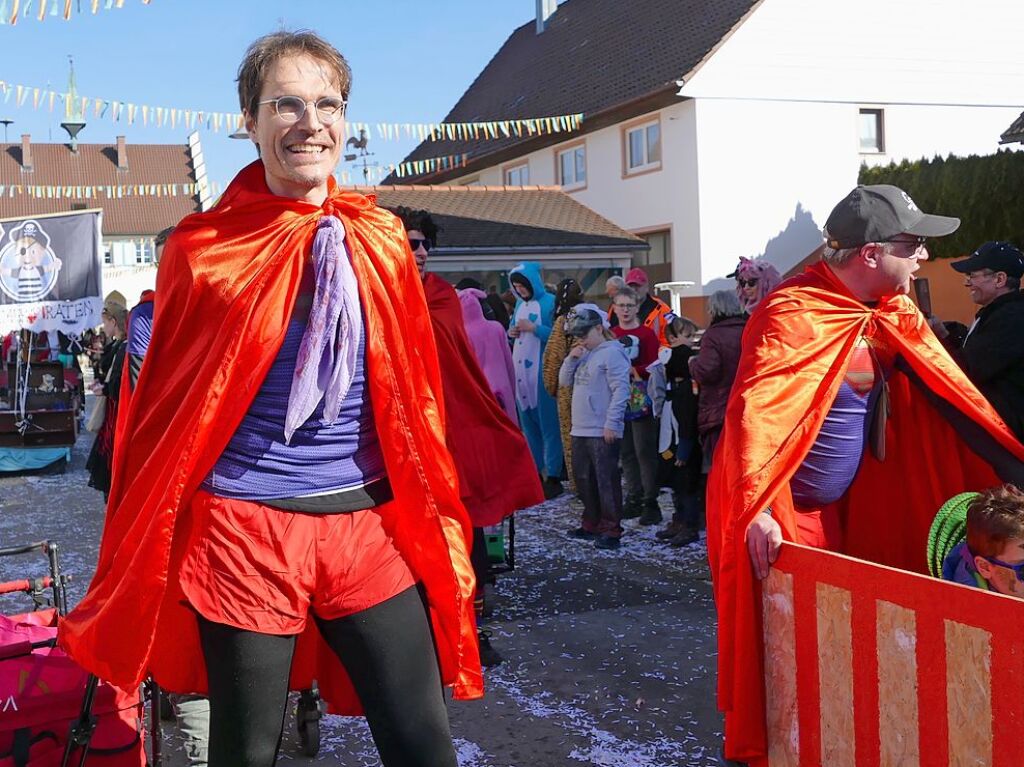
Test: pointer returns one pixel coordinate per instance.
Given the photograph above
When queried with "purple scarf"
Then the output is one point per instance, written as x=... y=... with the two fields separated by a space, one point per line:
x=327 y=355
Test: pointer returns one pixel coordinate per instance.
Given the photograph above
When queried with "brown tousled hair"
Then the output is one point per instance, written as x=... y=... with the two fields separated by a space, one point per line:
x=993 y=518
x=262 y=53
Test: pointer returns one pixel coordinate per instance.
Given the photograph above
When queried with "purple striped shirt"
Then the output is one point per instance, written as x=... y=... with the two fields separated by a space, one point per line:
x=321 y=458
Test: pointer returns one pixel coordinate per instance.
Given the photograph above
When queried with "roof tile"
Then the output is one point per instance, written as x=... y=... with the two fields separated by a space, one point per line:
x=508 y=217
x=96 y=164
x=594 y=55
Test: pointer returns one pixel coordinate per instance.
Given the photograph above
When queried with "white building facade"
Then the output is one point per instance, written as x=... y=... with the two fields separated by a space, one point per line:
x=772 y=128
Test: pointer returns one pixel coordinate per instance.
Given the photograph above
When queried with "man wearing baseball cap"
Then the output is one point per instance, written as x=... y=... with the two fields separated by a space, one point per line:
x=652 y=313
x=993 y=351
x=847 y=427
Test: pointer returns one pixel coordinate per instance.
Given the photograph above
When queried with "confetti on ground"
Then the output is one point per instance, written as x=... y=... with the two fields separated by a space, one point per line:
x=610 y=655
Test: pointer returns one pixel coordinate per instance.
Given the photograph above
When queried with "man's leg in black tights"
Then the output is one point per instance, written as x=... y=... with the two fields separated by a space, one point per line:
x=388 y=651
x=248 y=677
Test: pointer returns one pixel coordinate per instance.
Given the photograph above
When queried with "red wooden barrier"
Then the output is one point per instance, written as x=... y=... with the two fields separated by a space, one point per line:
x=866 y=665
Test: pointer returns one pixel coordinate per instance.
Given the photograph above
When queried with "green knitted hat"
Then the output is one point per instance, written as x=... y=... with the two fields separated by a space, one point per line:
x=948 y=529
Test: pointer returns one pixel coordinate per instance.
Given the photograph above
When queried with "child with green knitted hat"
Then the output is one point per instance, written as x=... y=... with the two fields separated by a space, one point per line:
x=990 y=529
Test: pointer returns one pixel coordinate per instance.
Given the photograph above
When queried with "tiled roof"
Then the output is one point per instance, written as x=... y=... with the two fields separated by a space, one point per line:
x=496 y=217
x=1015 y=133
x=594 y=56
x=96 y=164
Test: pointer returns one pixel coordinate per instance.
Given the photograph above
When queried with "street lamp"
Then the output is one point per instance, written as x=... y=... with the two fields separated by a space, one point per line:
x=5 y=122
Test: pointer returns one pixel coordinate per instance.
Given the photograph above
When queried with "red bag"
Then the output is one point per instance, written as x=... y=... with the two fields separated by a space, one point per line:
x=41 y=694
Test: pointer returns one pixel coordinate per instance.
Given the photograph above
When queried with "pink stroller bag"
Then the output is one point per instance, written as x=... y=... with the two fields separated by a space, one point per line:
x=41 y=692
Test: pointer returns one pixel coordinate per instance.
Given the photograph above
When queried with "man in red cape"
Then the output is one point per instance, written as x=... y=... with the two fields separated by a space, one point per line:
x=228 y=283
x=497 y=476
x=941 y=436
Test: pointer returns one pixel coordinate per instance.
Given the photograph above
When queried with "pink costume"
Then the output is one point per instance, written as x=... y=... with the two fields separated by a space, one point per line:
x=492 y=350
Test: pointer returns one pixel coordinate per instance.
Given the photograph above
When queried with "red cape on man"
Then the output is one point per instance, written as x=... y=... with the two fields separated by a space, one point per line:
x=497 y=475
x=796 y=348
x=228 y=282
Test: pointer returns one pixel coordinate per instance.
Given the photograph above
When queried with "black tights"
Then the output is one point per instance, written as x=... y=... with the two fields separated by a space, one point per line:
x=388 y=652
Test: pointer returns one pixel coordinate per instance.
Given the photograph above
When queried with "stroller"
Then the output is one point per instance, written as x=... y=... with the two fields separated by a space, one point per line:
x=52 y=712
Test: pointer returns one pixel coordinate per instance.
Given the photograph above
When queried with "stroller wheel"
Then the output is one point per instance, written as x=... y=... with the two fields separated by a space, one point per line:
x=307 y=717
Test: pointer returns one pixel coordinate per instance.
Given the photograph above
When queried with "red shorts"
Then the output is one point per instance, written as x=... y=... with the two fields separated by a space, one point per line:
x=261 y=569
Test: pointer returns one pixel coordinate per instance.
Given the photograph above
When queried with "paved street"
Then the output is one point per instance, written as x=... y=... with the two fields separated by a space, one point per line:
x=609 y=656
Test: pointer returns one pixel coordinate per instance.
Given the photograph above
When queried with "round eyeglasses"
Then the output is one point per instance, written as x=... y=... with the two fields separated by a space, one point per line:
x=291 y=108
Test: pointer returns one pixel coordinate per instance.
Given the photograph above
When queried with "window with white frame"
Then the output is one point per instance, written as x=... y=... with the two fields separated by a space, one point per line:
x=643 y=147
x=108 y=254
x=518 y=175
x=146 y=253
x=572 y=167
x=872 y=131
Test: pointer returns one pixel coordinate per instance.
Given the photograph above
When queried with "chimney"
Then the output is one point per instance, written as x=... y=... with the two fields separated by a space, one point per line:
x=545 y=10
x=26 y=152
x=122 y=154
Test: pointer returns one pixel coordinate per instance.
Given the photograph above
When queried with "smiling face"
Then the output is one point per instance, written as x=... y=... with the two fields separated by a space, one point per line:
x=748 y=288
x=30 y=252
x=985 y=286
x=298 y=157
x=524 y=290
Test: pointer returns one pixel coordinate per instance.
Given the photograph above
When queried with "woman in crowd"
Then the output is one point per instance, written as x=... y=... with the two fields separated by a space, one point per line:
x=755 y=279
x=714 y=368
x=107 y=387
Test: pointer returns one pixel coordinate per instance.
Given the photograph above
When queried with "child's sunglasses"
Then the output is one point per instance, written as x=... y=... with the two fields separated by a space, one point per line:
x=1018 y=569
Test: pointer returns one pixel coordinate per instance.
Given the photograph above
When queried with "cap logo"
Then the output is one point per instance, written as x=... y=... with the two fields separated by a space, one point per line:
x=911 y=205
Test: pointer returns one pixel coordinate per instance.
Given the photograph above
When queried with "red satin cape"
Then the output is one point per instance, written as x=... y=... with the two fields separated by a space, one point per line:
x=497 y=475
x=227 y=283
x=796 y=348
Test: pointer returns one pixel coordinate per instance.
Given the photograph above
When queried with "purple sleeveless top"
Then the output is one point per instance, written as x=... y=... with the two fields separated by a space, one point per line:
x=321 y=458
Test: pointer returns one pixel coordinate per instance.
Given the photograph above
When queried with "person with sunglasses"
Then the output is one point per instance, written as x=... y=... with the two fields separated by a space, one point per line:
x=847 y=426
x=284 y=492
x=496 y=471
x=755 y=279
x=992 y=555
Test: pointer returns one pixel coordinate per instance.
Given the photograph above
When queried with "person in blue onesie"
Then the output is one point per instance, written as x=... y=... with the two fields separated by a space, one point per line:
x=538 y=413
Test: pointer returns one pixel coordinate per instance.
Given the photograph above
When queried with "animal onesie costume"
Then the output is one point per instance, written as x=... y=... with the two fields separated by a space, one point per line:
x=538 y=413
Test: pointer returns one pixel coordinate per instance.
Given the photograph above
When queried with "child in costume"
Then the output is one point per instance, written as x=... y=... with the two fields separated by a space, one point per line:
x=538 y=414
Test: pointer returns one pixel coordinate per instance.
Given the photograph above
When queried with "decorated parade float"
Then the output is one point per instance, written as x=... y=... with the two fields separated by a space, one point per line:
x=50 y=293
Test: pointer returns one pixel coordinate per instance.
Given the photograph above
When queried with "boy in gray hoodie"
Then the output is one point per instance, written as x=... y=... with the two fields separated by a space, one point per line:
x=598 y=371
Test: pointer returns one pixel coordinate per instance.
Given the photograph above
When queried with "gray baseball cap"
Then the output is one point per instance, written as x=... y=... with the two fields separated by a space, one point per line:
x=877 y=214
x=579 y=321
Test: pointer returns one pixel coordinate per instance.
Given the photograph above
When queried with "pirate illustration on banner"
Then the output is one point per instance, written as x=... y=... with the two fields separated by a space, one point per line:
x=28 y=265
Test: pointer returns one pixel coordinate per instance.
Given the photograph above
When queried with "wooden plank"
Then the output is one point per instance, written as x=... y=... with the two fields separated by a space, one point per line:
x=835 y=676
x=780 y=670
x=896 y=638
x=969 y=701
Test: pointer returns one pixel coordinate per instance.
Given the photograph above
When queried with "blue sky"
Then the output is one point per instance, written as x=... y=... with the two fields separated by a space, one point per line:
x=411 y=61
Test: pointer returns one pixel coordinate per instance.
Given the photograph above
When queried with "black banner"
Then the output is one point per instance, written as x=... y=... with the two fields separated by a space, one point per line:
x=50 y=272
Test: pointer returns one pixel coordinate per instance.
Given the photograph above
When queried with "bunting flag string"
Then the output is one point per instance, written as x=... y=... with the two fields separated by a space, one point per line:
x=429 y=165
x=233 y=122
x=105 y=191
x=376 y=173
x=12 y=10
